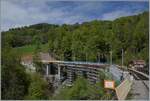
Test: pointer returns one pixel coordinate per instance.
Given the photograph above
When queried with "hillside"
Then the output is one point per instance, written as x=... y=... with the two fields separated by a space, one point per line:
x=91 y=41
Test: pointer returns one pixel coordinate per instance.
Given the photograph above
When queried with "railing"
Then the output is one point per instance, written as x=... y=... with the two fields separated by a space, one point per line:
x=138 y=72
x=74 y=62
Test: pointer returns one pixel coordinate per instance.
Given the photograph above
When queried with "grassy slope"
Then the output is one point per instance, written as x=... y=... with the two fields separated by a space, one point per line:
x=29 y=49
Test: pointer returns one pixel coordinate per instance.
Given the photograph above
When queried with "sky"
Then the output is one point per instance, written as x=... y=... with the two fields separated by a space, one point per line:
x=17 y=13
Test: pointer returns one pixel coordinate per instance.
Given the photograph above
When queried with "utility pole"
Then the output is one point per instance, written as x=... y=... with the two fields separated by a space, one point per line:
x=122 y=58
x=74 y=57
x=99 y=57
x=86 y=57
x=110 y=57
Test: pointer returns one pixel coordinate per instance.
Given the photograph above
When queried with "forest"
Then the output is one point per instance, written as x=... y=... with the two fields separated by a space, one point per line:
x=89 y=41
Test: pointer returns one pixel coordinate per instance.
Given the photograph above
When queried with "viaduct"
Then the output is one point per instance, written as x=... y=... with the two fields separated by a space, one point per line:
x=66 y=70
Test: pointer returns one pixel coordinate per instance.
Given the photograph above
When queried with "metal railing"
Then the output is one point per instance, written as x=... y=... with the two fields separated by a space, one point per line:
x=138 y=72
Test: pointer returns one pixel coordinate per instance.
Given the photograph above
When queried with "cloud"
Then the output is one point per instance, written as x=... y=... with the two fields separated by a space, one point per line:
x=115 y=14
x=16 y=13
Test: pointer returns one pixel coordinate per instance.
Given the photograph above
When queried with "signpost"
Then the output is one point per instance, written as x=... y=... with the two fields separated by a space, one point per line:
x=122 y=57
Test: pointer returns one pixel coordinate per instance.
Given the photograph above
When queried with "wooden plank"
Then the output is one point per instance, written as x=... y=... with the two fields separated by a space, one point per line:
x=123 y=89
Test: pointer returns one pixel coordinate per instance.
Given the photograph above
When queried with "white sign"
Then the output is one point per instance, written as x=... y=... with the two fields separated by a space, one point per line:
x=109 y=84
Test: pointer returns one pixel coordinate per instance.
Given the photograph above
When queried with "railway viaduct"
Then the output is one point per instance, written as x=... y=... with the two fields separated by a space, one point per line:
x=61 y=70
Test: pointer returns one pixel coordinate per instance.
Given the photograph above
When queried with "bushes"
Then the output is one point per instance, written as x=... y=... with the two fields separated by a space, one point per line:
x=82 y=90
x=14 y=80
x=38 y=88
x=16 y=83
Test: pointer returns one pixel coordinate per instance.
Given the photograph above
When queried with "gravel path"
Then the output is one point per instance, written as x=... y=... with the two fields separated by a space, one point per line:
x=139 y=91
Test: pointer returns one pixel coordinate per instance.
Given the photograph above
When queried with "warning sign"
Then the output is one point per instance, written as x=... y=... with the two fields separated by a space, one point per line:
x=109 y=84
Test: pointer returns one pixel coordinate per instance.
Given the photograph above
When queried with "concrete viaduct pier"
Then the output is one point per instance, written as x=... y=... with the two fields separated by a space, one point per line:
x=68 y=71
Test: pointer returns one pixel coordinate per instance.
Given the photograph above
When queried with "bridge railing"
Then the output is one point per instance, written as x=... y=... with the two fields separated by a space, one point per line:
x=82 y=62
x=140 y=73
x=73 y=62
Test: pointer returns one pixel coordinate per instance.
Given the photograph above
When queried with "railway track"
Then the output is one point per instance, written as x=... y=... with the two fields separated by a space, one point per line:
x=140 y=86
x=137 y=77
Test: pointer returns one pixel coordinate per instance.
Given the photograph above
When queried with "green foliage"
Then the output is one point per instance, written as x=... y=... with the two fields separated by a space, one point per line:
x=27 y=49
x=30 y=49
x=91 y=41
x=16 y=83
x=83 y=90
x=38 y=89
x=14 y=80
x=37 y=63
x=78 y=91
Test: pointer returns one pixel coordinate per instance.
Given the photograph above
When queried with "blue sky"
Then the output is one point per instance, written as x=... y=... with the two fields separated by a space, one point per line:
x=17 y=13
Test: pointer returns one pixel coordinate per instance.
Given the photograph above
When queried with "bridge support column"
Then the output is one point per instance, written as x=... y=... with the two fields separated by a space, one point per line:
x=70 y=75
x=58 y=72
x=47 y=70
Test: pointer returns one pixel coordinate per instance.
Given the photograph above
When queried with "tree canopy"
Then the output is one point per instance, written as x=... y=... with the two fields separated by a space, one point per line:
x=90 y=41
x=14 y=79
